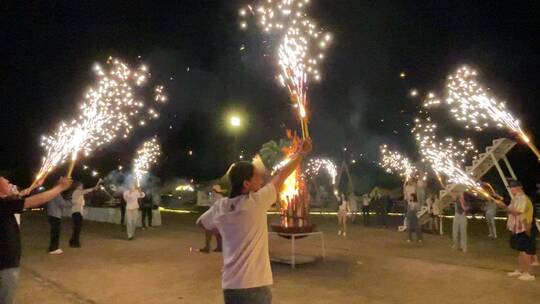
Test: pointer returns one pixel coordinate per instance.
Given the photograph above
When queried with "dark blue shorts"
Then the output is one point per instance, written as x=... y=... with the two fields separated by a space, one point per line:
x=523 y=243
x=257 y=295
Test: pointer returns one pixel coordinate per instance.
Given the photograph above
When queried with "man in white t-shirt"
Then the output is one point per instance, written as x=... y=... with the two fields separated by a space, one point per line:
x=242 y=222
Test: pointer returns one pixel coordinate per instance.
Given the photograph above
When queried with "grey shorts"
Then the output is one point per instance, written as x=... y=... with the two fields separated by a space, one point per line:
x=257 y=295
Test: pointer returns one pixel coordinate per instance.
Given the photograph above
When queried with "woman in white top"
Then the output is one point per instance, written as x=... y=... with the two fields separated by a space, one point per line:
x=77 y=208
x=132 y=197
x=342 y=216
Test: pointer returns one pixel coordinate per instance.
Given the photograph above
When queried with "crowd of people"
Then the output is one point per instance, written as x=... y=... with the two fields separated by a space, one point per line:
x=239 y=223
x=521 y=215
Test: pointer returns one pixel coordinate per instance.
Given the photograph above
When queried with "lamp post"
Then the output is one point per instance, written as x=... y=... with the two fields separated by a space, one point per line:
x=235 y=123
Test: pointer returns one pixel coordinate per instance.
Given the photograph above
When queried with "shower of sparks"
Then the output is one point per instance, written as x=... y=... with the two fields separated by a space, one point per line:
x=447 y=158
x=471 y=104
x=146 y=156
x=443 y=164
x=393 y=162
x=302 y=43
x=109 y=108
x=459 y=150
x=315 y=165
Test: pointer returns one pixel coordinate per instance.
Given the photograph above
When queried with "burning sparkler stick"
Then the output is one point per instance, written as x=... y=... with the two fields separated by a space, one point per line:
x=109 y=109
x=471 y=104
x=146 y=156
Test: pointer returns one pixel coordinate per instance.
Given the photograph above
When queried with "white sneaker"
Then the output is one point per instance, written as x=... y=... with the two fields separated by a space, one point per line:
x=344 y=233
x=527 y=277
x=339 y=232
x=515 y=273
x=56 y=252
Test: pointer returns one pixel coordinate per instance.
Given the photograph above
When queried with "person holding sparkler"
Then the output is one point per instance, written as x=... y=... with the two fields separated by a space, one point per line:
x=12 y=203
x=242 y=222
x=77 y=211
x=521 y=225
x=132 y=197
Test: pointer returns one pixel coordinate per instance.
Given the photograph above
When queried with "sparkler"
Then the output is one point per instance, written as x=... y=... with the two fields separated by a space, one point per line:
x=301 y=46
x=443 y=163
x=146 y=156
x=108 y=109
x=300 y=49
x=471 y=104
x=315 y=165
x=393 y=162
x=459 y=150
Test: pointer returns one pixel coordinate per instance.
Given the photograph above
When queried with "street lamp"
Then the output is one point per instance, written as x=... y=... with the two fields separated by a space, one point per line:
x=236 y=124
x=235 y=121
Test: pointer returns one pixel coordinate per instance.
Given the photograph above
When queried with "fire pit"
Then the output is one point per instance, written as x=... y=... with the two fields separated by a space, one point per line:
x=282 y=230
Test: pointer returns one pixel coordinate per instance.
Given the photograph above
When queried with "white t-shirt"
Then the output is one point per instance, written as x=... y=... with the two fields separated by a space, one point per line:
x=77 y=200
x=242 y=223
x=132 y=199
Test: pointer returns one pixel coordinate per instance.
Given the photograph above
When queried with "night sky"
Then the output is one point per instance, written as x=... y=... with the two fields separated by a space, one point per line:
x=48 y=48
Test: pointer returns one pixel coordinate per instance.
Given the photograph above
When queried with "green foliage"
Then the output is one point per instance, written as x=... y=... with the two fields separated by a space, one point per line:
x=271 y=152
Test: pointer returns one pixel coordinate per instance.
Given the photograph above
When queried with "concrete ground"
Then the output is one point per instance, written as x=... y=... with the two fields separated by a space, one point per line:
x=370 y=265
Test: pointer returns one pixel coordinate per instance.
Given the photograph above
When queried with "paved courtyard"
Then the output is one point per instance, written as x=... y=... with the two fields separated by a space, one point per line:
x=370 y=265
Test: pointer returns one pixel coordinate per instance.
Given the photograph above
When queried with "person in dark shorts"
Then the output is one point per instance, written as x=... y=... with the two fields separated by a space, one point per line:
x=520 y=224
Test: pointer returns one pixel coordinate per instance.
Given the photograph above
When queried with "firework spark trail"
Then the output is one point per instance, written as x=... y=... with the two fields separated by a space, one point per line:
x=471 y=104
x=393 y=162
x=442 y=163
x=108 y=109
x=315 y=165
x=301 y=46
x=459 y=150
x=146 y=156
x=446 y=158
